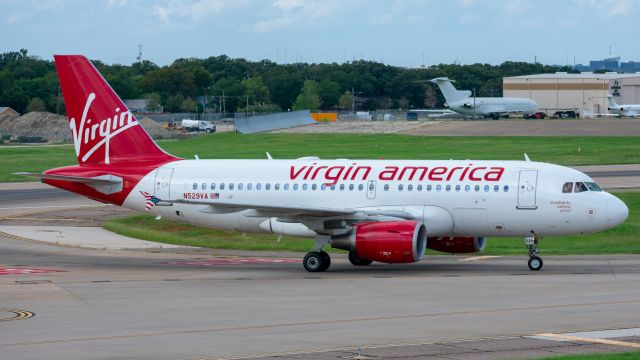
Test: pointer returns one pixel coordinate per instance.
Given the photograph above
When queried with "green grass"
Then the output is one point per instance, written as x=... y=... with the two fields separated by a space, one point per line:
x=615 y=356
x=559 y=150
x=624 y=239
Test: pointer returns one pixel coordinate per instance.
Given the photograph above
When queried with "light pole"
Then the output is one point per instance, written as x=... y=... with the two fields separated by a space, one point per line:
x=474 y=103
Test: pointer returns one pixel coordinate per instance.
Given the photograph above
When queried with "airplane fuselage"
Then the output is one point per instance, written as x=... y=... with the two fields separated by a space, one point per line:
x=457 y=198
x=483 y=106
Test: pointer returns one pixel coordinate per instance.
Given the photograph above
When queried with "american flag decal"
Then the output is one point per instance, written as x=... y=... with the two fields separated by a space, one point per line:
x=151 y=200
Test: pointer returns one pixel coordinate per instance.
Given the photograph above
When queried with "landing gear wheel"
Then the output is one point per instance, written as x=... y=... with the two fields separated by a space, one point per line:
x=314 y=261
x=327 y=260
x=535 y=263
x=358 y=261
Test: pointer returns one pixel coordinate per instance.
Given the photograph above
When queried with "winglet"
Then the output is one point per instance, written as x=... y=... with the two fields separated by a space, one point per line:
x=269 y=156
x=526 y=157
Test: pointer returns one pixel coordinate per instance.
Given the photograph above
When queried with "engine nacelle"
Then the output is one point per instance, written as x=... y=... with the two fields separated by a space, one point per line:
x=388 y=241
x=457 y=245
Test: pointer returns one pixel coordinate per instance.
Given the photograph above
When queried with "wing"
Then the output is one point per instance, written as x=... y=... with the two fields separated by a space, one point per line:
x=288 y=212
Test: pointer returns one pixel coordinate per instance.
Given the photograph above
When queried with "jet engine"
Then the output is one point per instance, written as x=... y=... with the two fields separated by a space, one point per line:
x=389 y=242
x=457 y=245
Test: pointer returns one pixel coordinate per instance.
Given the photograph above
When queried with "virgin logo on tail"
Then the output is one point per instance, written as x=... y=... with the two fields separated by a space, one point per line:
x=89 y=135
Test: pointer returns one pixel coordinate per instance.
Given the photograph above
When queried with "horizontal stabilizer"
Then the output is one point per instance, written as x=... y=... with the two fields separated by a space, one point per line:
x=106 y=184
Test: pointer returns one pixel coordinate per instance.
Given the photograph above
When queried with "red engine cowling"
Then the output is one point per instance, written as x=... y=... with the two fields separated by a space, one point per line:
x=389 y=242
x=457 y=245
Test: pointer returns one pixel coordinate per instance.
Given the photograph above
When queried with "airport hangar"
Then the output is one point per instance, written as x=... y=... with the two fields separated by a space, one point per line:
x=585 y=92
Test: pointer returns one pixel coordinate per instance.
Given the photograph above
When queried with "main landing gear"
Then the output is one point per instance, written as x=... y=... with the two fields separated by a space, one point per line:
x=535 y=262
x=318 y=260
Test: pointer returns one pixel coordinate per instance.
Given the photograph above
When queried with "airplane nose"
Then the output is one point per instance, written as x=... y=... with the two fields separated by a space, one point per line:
x=617 y=212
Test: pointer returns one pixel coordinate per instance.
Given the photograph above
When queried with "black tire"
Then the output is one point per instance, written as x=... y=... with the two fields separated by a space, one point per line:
x=314 y=261
x=326 y=259
x=535 y=263
x=358 y=261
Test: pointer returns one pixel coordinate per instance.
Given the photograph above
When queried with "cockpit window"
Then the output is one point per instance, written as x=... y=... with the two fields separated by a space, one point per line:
x=580 y=187
x=593 y=186
x=567 y=187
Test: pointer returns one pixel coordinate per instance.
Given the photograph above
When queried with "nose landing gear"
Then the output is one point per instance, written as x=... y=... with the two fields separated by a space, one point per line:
x=535 y=262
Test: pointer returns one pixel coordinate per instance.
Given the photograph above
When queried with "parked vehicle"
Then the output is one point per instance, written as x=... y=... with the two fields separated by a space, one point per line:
x=536 y=115
x=569 y=114
x=197 y=125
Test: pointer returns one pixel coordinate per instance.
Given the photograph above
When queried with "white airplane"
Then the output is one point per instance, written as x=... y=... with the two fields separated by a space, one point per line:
x=462 y=102
x=623 y=110
x=388 y=211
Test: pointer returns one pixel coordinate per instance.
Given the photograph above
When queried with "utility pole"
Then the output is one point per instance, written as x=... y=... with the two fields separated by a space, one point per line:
x=246 y=112
x=353 y=100
x=224 y=105
x=474 y=103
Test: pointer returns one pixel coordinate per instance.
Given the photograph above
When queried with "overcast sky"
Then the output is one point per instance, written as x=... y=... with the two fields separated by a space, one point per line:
x=400 y=32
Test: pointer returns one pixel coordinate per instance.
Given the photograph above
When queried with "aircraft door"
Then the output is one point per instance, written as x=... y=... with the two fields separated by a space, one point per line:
x=371 y=189
x=163 y=183
x=527 y=189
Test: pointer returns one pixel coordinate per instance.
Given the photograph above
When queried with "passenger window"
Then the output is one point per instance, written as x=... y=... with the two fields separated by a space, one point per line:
x=213 y=186
x=249 y=186
x=477 y=188
x=506 y=188
x=371 y=187
x=360 y=187
x=580 y=187
x=222 y=186
x=341 y=187
x=286 y=187
x=332 y=187
x=195 y=186
x=276 y=186
x=240 y=186
x=323 y=187
x=486 y=188
x=231 y=186
x=204 y=186
x=400 y=187
x=351 y=187
x=295 y=187
x=314 y=187
x=258 y=186
x=438 y=188
x=566 y=188
x=419 y=188
x=496 y=188
x=305 y=187
x=457 y=188
x=467 y=188
x=267 y=186
x=448 y=188
x=429 y=187
x=409 y=187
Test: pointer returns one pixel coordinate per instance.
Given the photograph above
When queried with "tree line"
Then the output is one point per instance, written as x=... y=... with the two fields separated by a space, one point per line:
x=29 y=83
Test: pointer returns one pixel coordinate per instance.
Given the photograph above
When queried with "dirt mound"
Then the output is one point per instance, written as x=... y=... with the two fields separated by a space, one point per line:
x=54 y=128
x=155 y=129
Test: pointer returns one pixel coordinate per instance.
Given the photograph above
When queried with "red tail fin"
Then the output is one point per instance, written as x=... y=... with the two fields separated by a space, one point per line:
x=104 y=130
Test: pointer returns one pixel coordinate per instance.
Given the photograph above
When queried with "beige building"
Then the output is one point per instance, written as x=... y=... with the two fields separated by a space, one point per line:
x=585 y=92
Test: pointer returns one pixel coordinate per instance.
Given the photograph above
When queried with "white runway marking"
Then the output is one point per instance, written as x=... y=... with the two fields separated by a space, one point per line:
x=596 y=337
x=478 y=258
